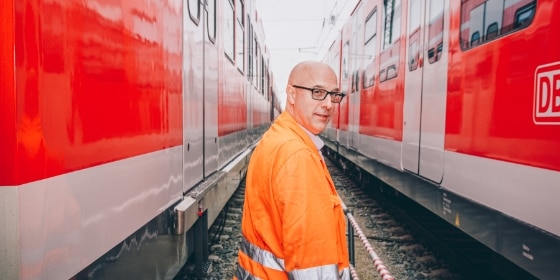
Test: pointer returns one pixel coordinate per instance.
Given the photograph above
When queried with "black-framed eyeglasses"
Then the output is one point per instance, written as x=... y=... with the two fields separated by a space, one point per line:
x=321 y=94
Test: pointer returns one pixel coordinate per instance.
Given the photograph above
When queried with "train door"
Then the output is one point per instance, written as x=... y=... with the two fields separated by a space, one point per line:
x=336 y=119
x=333 y=59
x=211 y=73
x=345 y=86
x=193 y=86
x=248 y=83
x=426 y=88
x=356 y=58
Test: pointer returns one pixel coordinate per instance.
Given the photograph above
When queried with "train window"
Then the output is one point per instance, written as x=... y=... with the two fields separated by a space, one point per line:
x=240 y=36
x=336 y=63
x=356 y=53
x=355 y=80
x=240 y=11
x=211 y=20
x=524 y=15
x=414 y=56
x=414 y=35
x=250 y=47
x=267 y=84
x=345 y=66
x=255 y=61
x=229 y=23
x=383 y=75
x=370 y=49
x=391 y=71
x=492 y=31
x=391 y=38
x=475 y=39
x=371 y=26
x=194 y=10
x=486 y=21
x=435 y=30
x=263 y=71
x=392 y=28
x=431 y=54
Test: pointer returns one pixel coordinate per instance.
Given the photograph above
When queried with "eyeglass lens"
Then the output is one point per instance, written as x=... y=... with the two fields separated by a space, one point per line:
x=321 y=94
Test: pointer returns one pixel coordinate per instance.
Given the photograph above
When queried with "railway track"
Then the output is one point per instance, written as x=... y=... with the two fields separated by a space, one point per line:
x=430 y=246
x=224 y=237
x=405 y=254
x=401 y=240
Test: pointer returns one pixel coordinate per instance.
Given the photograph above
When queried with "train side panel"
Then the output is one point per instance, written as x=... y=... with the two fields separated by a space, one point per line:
x=460 y=113
x=232 y=114
x=115 y=135
x=352 y=61
x=97 y=112
x=257 y=82
x=83 y=95
x=332 y=57
x=425 y=100
x=497 y=153
x=193 y=93
x=382 y=111
x=212 y=64
x=381 y=82
x=8 y=96
x=9 y=247
x=345 y=84
x=511 y=67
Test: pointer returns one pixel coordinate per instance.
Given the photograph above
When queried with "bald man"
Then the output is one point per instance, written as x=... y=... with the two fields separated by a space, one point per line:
x=293 y=225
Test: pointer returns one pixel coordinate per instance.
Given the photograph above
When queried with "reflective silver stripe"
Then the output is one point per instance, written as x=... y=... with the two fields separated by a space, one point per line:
x=265 y=258
x=242 y=274
x=325 y=272
x=345 y=275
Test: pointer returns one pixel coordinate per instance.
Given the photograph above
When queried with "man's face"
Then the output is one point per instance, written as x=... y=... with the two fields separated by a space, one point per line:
x=313 y=114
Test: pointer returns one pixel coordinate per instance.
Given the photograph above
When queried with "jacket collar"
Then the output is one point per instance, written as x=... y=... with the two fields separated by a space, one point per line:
x=309 y=138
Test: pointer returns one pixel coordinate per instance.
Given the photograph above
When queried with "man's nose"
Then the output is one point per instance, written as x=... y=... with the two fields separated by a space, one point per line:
x=327 y=102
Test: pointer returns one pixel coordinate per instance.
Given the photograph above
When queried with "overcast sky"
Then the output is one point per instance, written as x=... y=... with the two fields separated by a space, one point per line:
x=297 y=30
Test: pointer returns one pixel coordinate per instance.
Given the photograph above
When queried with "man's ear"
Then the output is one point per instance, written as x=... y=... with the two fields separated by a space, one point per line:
x=291 y=94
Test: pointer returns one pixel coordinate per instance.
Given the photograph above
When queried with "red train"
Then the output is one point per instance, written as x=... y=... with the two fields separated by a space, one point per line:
x=125 y=128
x=456 y=104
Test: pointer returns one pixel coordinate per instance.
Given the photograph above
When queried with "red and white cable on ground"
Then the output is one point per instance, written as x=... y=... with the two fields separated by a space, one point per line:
x=354 y=273
x=381 y=269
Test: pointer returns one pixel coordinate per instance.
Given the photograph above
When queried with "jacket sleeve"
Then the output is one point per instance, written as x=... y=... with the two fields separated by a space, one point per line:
x=307 y=205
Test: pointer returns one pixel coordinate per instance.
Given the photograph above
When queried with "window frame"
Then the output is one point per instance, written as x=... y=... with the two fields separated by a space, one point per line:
x=487 y=33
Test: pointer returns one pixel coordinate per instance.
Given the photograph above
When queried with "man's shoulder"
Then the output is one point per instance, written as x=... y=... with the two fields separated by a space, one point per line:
x=285 y=139
x=281 y=142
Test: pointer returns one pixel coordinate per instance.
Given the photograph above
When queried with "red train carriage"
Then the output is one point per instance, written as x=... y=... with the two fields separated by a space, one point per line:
x=125 y=125
x=456 y=105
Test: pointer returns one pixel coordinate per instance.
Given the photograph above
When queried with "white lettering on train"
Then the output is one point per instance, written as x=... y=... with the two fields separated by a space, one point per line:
x=546 y=108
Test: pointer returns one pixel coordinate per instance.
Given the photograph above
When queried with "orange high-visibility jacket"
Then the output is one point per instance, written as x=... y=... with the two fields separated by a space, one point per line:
x=293 y=224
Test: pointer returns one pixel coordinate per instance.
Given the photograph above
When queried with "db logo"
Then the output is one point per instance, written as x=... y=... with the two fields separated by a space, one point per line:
x=546 y=109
